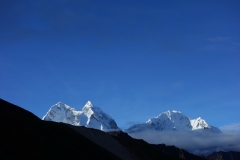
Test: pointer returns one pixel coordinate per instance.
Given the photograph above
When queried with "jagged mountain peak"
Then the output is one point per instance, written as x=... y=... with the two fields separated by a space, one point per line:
x=88 y=105
x=168 y=115
x=172 y=120
x=62 y=105
x=90 y=116
x=174 y=111
x=90 y=110
x=199 y=123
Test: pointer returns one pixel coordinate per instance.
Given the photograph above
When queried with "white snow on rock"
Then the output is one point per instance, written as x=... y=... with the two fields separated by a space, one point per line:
x=90 y=116
x=173 y=121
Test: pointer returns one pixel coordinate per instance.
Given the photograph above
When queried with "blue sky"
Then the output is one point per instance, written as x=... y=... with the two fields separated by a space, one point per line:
x=132 y=59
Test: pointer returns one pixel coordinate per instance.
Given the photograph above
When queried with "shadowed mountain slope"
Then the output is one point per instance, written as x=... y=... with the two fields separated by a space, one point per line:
x=140 y=148
x=224 y=156
x=181 y=153
x=104 y=140
x=25 y=136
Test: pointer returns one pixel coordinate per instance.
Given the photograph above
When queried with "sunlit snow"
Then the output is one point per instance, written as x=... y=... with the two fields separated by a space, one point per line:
x=90 y=116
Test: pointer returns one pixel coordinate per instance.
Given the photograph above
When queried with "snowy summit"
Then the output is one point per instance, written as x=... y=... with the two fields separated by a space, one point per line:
x=90 y=116
x=173 y=121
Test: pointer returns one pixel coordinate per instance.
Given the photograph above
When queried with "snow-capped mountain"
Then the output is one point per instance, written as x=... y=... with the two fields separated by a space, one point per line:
x=90 y=116
x=173 y=121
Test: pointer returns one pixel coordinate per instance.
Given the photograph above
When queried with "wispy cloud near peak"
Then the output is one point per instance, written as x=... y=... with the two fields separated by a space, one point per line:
x=231 y=127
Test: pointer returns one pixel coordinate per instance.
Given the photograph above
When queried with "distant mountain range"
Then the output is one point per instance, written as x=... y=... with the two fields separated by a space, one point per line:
x=25 y=136
x=93 y=117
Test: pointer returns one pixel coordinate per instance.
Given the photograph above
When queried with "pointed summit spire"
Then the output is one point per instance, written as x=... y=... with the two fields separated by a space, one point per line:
x=88 y=105
x=59 y=103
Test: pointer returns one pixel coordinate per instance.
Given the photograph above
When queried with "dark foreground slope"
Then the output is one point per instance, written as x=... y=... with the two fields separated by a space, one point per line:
x=181 y=153
x=224 y=156
x=105 y=141
x=25 y=136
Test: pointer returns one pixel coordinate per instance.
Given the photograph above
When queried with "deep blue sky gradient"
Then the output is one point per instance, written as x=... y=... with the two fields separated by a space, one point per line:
x=132 y=59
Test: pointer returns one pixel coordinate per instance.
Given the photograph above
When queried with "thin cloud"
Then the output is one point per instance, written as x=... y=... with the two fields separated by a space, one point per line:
x=231 y=127
x=204 y=144
x=218 y=39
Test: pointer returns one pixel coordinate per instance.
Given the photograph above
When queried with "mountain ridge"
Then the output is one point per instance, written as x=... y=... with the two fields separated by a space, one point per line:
x=90 y=116
x=172 y=121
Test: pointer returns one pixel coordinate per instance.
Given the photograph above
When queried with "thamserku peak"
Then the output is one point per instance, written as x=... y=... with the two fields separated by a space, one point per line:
x=88 y=104
x=90 y=116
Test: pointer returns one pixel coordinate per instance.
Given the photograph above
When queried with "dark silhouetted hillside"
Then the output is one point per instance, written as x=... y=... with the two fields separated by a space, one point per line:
x=181 y=153
x=140 y=148
x=25 y=136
